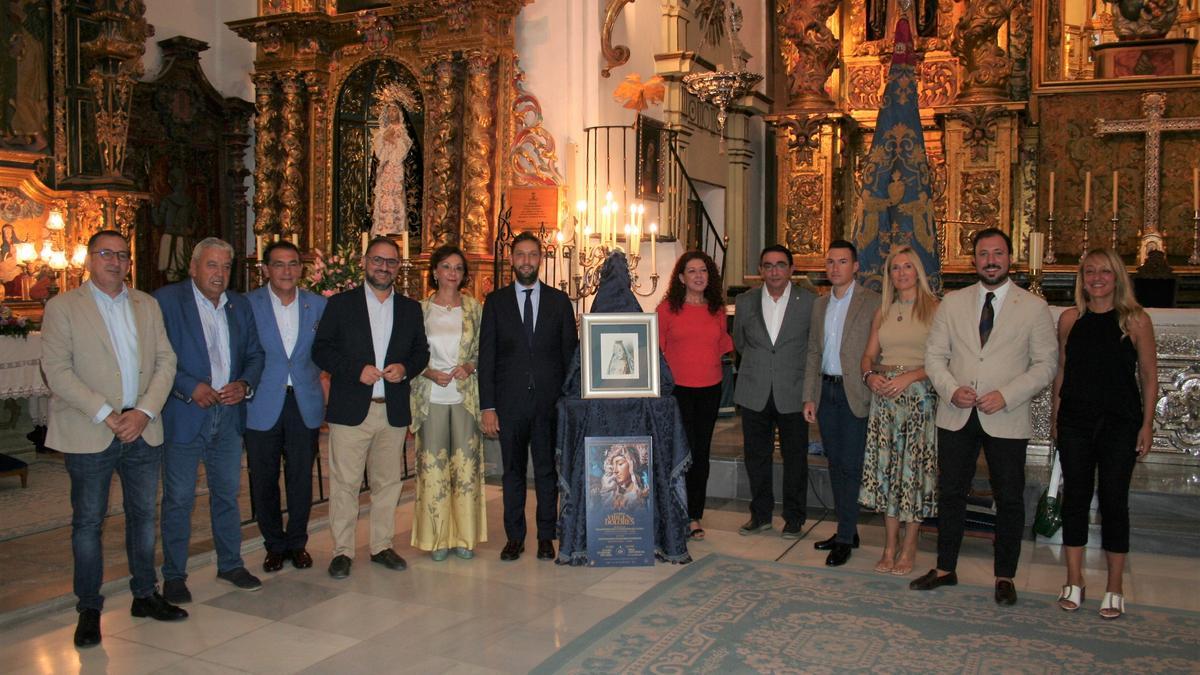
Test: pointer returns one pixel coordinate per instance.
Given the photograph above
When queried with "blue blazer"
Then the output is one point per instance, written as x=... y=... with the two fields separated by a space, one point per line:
x=264 y=408
x=182 y=416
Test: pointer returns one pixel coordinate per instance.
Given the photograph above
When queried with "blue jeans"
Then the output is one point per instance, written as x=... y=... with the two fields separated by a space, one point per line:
x=91 y=475
x=844 y=437
x=219 y=446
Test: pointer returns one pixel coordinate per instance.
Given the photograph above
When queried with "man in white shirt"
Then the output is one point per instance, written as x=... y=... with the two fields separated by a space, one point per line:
x=109 y=365
x=770 y=333
x=285 y=414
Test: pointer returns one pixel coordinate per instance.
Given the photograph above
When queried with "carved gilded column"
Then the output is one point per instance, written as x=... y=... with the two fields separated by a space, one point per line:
x=441 y=219
x=810 y=51
x=266 y=217
x=986 y=67
x=479 y=147
x=318 y=165
x=237 y=139
x=291 y=196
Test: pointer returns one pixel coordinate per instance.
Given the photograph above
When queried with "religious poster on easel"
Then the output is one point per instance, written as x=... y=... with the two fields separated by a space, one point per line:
x=620 y=501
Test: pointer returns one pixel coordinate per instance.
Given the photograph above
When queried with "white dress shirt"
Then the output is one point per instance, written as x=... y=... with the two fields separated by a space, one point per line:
x=997 y=302
x=773 y=310
x=287 y=318
x=122 y=331
x=381 y=330
x=535 y=298
x=216 y=336
x=835 y=325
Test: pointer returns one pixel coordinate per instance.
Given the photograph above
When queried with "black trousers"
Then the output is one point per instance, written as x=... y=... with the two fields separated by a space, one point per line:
x=524 y=431
x=1110 y=446
x=958 y=452
x=295 y=445
x=698 y=408
x=758 y=437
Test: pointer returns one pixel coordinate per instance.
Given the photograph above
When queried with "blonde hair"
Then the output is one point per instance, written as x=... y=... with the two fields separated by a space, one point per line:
x=1128 y=309
x=926 y=302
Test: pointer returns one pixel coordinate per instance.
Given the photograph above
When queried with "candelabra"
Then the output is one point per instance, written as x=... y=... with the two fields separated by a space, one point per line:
x=406 y=267
x=587 y=265
x=1087 y=220
x=1195 y=257
x=1049 y=257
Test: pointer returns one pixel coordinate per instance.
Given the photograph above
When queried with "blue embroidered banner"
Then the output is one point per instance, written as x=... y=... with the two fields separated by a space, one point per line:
x=896 y=204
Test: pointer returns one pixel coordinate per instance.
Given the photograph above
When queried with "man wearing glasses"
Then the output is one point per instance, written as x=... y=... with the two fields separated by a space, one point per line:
x=371 y=341
x=770 y=333
x=110 y=367
x=285 y=416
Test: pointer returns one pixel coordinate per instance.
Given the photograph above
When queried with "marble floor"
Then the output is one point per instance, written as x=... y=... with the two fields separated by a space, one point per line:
x=477 y=616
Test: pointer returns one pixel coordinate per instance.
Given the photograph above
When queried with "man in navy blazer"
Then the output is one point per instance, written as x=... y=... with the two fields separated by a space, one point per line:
x=286 y=411
x=372 y=342
x=219 y=365
x=527 y=340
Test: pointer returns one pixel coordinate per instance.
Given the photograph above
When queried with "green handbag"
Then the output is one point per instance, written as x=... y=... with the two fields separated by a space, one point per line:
x=1048 y=518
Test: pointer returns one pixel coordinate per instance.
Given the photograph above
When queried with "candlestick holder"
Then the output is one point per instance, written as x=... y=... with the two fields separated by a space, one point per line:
x=1035 y=282
x=1087 y=221
x=589 y=261
x=1048 y=258
x=1194 y=259
x=1113 y=239
x=406 y=266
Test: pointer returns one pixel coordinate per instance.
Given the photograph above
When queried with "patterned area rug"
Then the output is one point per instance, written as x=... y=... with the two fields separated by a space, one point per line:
x=726 y=615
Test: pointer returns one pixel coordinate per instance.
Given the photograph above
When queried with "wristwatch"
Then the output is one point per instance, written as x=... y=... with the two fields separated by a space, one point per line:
x=868 y=374
x=249 y=389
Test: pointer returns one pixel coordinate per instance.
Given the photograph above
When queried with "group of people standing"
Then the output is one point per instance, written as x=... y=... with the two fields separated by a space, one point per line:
x=907 y=388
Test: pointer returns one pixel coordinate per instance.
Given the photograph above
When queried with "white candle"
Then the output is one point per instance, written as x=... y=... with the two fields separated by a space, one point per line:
x=1036 y=243
x=258 y=244
x=1087 y=192
x=1114 y=194
x=404 y=244
x=1195 y=189
x=295 y=239
x=653 y=248
x=1051 y=209
x=365 y=240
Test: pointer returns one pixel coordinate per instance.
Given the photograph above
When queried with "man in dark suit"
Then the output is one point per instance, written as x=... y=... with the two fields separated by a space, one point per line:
x=527 y=341
x=371 y=340
x=285 y=415
x=219 y=364
x=770 y=332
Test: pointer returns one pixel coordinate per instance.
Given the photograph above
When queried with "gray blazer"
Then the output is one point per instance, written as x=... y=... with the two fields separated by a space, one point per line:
x=771 y=368
x=855 y=333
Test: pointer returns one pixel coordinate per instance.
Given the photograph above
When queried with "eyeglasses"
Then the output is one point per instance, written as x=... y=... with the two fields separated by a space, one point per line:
x=779 y=266
x=108 y=254
x=279 y=265
x=381 y=261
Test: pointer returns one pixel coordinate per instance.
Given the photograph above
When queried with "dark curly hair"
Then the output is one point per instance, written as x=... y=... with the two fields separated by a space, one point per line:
x=677 y=292
x=440 y=254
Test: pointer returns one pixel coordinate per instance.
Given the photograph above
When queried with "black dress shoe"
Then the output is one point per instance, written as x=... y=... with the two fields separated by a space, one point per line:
x=827 y=544
x=301 y=560
x=274 y=562
x=339 y=567
x=87 y=631
x=175 y=591
x=389 y=559
x=754 y=526
x=838 y=555
x=1006 y=593
x=512 y=550
x=155 y=607
x=241 y=578
x=545 y=549
x=930 y=580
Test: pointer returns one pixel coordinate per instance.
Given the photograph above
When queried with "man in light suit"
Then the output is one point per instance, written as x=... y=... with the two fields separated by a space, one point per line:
x=109 y=365
x=991 y=349
x=220 y=362
x=770 y=333
x=284 y=417
x=834 y=392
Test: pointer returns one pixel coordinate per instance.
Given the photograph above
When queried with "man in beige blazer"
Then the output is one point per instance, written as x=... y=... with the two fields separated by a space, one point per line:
x=991 y=349
x=110 y=368
x=834 y=393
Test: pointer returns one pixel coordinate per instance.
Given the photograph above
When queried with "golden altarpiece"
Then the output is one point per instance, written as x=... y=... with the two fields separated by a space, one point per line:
x=1009 y=91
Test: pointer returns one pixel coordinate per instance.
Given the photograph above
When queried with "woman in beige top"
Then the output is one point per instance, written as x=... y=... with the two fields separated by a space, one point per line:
x=900 y=467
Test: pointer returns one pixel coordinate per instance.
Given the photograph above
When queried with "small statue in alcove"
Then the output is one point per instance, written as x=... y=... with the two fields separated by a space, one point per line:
x=390 y=144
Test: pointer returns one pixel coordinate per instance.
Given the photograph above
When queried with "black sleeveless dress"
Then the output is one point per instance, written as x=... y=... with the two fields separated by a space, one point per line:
x=1100 y=374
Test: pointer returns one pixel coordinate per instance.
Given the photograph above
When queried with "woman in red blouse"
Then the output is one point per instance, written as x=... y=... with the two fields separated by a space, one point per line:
x=693 y=337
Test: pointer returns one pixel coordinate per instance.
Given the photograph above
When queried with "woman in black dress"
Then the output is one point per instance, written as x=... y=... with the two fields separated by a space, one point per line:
x=1100 y=418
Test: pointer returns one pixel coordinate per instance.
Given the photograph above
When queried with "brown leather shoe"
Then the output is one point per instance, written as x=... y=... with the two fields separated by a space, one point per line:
x=273 y=562
x=930 y=580
x=301 y=560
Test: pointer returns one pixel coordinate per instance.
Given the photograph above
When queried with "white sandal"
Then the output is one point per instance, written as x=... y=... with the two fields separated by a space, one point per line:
x=1072 y=595
x=1113 y=606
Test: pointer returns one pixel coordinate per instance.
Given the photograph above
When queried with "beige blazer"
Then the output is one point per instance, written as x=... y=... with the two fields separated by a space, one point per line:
x=1019 y=361
x=81 y=367
x=855 y=333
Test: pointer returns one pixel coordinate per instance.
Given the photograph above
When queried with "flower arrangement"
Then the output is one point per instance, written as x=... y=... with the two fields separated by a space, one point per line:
x=18 y=326
x=340 y=271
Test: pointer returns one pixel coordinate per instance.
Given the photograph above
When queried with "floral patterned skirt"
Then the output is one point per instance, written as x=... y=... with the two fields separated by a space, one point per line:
x=450 y=509
x=900 y=467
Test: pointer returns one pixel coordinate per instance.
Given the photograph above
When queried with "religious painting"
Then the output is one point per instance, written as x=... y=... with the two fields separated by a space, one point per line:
x=25 y=75
x=22 y=221
x=378 y=180
x=620 y=500
x=650 y=158
x=619 y=355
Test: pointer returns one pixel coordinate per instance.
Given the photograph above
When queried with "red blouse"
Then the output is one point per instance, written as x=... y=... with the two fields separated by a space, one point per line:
x=693 y=341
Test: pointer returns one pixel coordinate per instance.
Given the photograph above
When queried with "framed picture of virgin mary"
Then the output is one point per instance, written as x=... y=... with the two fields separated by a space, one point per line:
x=619 y=355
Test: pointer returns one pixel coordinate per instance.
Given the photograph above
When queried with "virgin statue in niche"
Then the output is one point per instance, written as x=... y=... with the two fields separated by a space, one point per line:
x=390 y=145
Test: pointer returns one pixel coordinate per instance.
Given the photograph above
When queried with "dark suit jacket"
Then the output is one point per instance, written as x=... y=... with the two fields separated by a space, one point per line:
x=181 y=415
x=508 y=365
x=343 y=347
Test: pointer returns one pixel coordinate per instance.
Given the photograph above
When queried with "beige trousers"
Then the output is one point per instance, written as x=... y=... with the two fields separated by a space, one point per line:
x=379 y=448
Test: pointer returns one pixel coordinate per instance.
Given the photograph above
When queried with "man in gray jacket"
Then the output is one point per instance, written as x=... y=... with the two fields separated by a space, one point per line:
x=770 y=332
